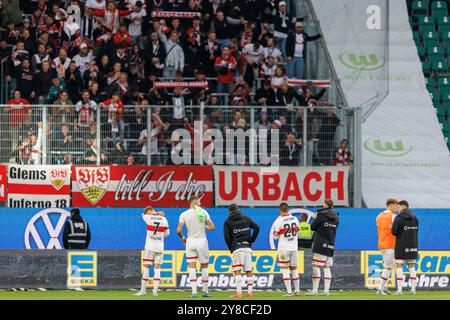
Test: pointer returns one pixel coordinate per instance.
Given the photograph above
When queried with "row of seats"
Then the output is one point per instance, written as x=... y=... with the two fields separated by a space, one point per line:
x=430 y=22
x=437 y=8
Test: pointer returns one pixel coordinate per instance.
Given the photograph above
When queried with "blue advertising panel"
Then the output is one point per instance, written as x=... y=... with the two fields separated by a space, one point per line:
x=123 y=228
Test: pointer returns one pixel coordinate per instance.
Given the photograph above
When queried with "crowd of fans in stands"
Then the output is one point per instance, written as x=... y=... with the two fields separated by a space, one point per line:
x=85 y=55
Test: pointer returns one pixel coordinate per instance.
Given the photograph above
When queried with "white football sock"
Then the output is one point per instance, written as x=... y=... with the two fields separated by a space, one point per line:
x=156 y=279
x=384 y=278
x=413 y=278
x=399 y=277
x=327 y=278
x=238 y=280
x=296 y=279
x=287 y=280
x=205 y=279
x=193 y=279
x=250 y=285
x=316 y=278
x=144 y=280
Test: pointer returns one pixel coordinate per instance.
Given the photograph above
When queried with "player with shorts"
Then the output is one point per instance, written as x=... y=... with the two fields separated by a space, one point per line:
x=386 y=243
x=286 y=231
x=157 y=230
x=197 y=221
x=239 y=239
x=405 y=228
x=325 y=225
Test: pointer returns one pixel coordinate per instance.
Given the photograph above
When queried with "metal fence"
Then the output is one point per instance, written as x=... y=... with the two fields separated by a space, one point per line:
x=108 y=134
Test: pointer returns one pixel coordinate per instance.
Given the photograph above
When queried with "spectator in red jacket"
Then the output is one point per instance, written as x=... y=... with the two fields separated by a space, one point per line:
x=18 y=110
x=225 y=66
x=122 y=37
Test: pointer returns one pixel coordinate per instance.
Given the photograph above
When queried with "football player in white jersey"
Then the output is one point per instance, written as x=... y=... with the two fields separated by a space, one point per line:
x=286 y=230
x=157 y=230
x=197 y=221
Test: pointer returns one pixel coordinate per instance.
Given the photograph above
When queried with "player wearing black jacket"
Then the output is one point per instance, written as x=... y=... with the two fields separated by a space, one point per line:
x=405 y=228
x=76 y=234
x=239 y=239
x=325 y=226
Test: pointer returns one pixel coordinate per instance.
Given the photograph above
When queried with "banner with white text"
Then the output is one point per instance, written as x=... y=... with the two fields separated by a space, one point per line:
x=140 y=186
x=38 y=186
x=266 y=186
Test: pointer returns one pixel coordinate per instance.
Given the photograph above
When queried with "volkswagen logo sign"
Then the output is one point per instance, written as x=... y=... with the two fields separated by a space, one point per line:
x=40 y=228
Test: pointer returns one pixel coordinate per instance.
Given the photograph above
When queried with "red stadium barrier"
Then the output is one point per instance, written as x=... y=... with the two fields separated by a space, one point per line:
x=3 y=183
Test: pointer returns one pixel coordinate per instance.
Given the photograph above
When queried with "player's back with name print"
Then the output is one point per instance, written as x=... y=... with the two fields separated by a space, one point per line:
x=156 y=226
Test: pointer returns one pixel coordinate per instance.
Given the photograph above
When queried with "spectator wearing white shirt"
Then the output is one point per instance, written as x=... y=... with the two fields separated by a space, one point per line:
x=157 y=127
x=174 y=54
x=296 y=51
x=96 y=4
x=268 y=68
x=61 y=63
x=272 y=51
x=254 y=56
x=83 y=58
x=282 y=22
x=135 y=27
x=86 y=109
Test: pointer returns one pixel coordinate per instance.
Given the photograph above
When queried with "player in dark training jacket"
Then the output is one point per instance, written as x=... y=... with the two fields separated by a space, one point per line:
x=405 y=229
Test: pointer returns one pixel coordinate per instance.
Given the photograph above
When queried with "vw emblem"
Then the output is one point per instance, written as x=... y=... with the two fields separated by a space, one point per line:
x=32 y=233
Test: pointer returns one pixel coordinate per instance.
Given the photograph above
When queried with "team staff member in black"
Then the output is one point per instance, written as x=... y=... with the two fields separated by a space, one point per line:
x=239 y=239
x=325 y=225
x=77 y=234
x=405 y=229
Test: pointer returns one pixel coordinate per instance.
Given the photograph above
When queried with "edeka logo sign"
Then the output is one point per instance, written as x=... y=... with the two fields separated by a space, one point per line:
x=361 y=62
x=168 y=277
x=265 y=268
x=82 y=269
x=433 y=269
x=387 y=148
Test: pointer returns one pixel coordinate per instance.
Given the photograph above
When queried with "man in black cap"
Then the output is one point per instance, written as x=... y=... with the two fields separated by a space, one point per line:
x=76 y=233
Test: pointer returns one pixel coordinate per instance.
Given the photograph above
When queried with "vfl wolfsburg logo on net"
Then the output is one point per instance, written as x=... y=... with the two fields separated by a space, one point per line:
x=361 y=61
x=387 y=148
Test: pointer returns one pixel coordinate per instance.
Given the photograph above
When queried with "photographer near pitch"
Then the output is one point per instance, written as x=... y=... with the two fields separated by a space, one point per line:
x=76 y=234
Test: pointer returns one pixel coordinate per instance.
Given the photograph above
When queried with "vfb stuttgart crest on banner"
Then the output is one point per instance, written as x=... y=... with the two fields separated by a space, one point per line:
x=93 y=182
x=58 y=177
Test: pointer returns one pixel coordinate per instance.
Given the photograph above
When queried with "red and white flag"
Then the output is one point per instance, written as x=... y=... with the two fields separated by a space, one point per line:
x=139 y=186
x=175 y=14
x=42 y=186
x=181 y=84
x=310 y=83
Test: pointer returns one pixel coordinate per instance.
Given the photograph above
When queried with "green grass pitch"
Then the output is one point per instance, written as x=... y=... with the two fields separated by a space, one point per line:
x=216 y=295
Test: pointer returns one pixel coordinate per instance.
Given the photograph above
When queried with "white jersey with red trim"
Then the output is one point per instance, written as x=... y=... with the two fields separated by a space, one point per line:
x=287 y=228
x=157 y=230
